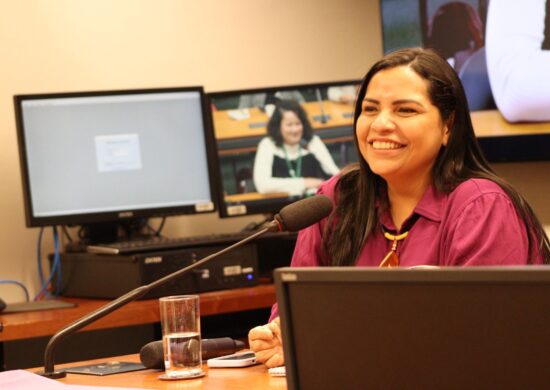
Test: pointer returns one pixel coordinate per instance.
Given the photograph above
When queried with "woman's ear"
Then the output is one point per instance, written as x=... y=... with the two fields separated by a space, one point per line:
x=446 y=134
x=447 y=129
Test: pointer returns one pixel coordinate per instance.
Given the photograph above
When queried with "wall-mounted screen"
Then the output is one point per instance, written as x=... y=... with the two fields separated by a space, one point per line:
x=500 y=51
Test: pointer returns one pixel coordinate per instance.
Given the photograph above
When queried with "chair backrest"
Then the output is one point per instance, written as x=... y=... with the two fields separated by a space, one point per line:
x=475 y=79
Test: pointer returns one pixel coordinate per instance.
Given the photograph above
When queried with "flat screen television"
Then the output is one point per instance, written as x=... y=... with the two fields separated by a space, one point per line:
x=457 y=31
x=254 y=175
x=109 y=157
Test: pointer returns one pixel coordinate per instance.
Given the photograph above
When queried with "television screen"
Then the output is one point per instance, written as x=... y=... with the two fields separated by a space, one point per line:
x=500 y=53
x=455 y=29
x=275 y=145
x=109 y=156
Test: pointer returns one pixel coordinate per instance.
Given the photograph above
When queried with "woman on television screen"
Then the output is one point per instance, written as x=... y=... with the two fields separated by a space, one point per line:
x=291 y=159
x=422 y=193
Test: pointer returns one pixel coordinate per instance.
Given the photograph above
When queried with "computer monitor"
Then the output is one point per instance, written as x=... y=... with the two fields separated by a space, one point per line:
x=448 y=328
x=241 y=119
x=102 y=158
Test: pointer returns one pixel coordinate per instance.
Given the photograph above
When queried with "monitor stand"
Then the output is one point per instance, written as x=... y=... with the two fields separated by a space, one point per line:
x=98 y=233
x=93 y=233
x=107 y=232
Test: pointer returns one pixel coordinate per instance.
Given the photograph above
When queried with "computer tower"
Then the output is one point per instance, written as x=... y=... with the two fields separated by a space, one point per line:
x=90 y=275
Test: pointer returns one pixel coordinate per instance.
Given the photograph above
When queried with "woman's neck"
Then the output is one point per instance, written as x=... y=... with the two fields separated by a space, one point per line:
x=291 y=147
x=403 y=199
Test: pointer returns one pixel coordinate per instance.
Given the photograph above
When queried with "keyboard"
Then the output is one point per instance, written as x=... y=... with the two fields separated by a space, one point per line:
x=165 y=243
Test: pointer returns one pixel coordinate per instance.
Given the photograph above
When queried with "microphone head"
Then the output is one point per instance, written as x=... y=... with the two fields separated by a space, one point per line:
x=151 y=355
x=303 y=213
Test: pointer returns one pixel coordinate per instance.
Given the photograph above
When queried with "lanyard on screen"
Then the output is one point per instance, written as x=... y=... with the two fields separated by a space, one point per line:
x=291 y=171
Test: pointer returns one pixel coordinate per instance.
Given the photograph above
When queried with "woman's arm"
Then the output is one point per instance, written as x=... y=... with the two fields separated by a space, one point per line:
x=518 y=68
x=318 y=148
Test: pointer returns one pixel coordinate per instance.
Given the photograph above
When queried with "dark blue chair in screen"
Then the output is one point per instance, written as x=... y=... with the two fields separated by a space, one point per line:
x=475 y=79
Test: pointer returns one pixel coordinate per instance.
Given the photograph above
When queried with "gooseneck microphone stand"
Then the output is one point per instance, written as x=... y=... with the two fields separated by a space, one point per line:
x=49 y=368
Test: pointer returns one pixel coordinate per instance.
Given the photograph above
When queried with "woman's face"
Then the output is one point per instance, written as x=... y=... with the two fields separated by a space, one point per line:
x=399 y=131
x=291 y=128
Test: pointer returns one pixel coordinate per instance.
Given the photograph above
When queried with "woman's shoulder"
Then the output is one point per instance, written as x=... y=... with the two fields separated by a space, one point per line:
x=314 y=141
x=328 y=187
x=267 y=142
x=475 y=189
x=345 y=177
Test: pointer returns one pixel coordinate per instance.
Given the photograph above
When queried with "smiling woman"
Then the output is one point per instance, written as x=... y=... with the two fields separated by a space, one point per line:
x=422 y=194
x=291 y=159
x=400 y=133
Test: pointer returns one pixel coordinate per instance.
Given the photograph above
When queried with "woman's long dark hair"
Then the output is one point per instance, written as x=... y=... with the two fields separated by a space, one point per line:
x=355 y=216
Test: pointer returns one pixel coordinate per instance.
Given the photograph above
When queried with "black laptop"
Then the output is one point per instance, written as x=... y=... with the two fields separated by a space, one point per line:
x=449 y=328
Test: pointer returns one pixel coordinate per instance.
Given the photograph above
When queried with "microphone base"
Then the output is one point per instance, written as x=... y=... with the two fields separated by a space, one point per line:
x=52 y=375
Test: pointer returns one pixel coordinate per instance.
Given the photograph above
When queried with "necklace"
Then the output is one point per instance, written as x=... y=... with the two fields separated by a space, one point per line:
x=391 y=260
x=291 y=171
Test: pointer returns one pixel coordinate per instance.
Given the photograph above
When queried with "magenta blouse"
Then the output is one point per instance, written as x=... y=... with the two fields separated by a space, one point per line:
x=476 y=224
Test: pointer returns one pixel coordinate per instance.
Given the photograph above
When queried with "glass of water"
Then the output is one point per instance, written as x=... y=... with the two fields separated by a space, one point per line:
x=181 y=336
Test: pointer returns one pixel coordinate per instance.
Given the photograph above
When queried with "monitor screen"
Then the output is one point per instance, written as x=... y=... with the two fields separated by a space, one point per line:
x=455 y=29
x=275 y=145
x=499 y=67
x=107 y=156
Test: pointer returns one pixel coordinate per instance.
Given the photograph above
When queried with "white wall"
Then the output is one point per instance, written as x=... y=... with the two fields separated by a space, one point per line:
x=75 y=45
x=78 y=45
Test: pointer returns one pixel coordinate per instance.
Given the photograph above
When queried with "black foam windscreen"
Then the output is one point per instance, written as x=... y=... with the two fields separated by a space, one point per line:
x=152 y=355
x=303 y=213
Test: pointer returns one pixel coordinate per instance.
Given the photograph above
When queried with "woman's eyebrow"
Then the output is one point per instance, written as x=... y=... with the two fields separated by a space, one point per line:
x=396 y=102
x=370 y=100
x=405 y=101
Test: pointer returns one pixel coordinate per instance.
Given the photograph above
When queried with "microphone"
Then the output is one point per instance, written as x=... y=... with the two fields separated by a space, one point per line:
x=294 y=217
x=303 y=213
x=152 y=355
x=323 y=118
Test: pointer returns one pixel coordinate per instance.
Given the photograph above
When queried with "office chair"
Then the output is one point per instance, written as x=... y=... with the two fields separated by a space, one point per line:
x=475 y=80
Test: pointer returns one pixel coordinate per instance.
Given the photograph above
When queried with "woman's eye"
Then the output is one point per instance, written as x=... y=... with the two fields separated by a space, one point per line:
x=406 y=111
x=370 y=109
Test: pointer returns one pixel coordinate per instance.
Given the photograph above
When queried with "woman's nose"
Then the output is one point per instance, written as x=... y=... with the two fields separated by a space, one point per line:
x=383 y=122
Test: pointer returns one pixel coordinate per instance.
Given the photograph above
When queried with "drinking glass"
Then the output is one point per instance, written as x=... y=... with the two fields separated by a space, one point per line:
x=181 y=336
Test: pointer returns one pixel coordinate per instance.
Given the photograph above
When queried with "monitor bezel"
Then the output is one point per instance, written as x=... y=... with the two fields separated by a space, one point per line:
x=123 y=214
x=275 y=204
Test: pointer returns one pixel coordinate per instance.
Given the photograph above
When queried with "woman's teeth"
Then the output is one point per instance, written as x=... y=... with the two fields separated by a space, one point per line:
x=384 y=145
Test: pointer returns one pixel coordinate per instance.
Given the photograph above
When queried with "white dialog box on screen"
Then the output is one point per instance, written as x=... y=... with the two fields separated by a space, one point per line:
x=117 y=153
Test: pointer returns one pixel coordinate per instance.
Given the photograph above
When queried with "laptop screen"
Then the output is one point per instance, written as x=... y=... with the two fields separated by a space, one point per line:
x=447 y=328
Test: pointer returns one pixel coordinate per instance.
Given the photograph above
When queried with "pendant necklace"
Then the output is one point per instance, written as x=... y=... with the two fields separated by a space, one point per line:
x=391 y=260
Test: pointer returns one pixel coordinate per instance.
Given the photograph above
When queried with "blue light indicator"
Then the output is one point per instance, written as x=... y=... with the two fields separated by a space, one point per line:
x=249 y=276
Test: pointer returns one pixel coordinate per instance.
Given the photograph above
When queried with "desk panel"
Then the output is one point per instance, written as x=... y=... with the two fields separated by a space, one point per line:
x=16 y=326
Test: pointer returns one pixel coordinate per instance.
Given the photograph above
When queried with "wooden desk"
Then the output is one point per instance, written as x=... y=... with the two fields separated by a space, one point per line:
x=254 y=125
x=497 y=136
x=16 y=326
x=255 y=377
x=491 y=123
x=488 y=123
x=251 y=196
